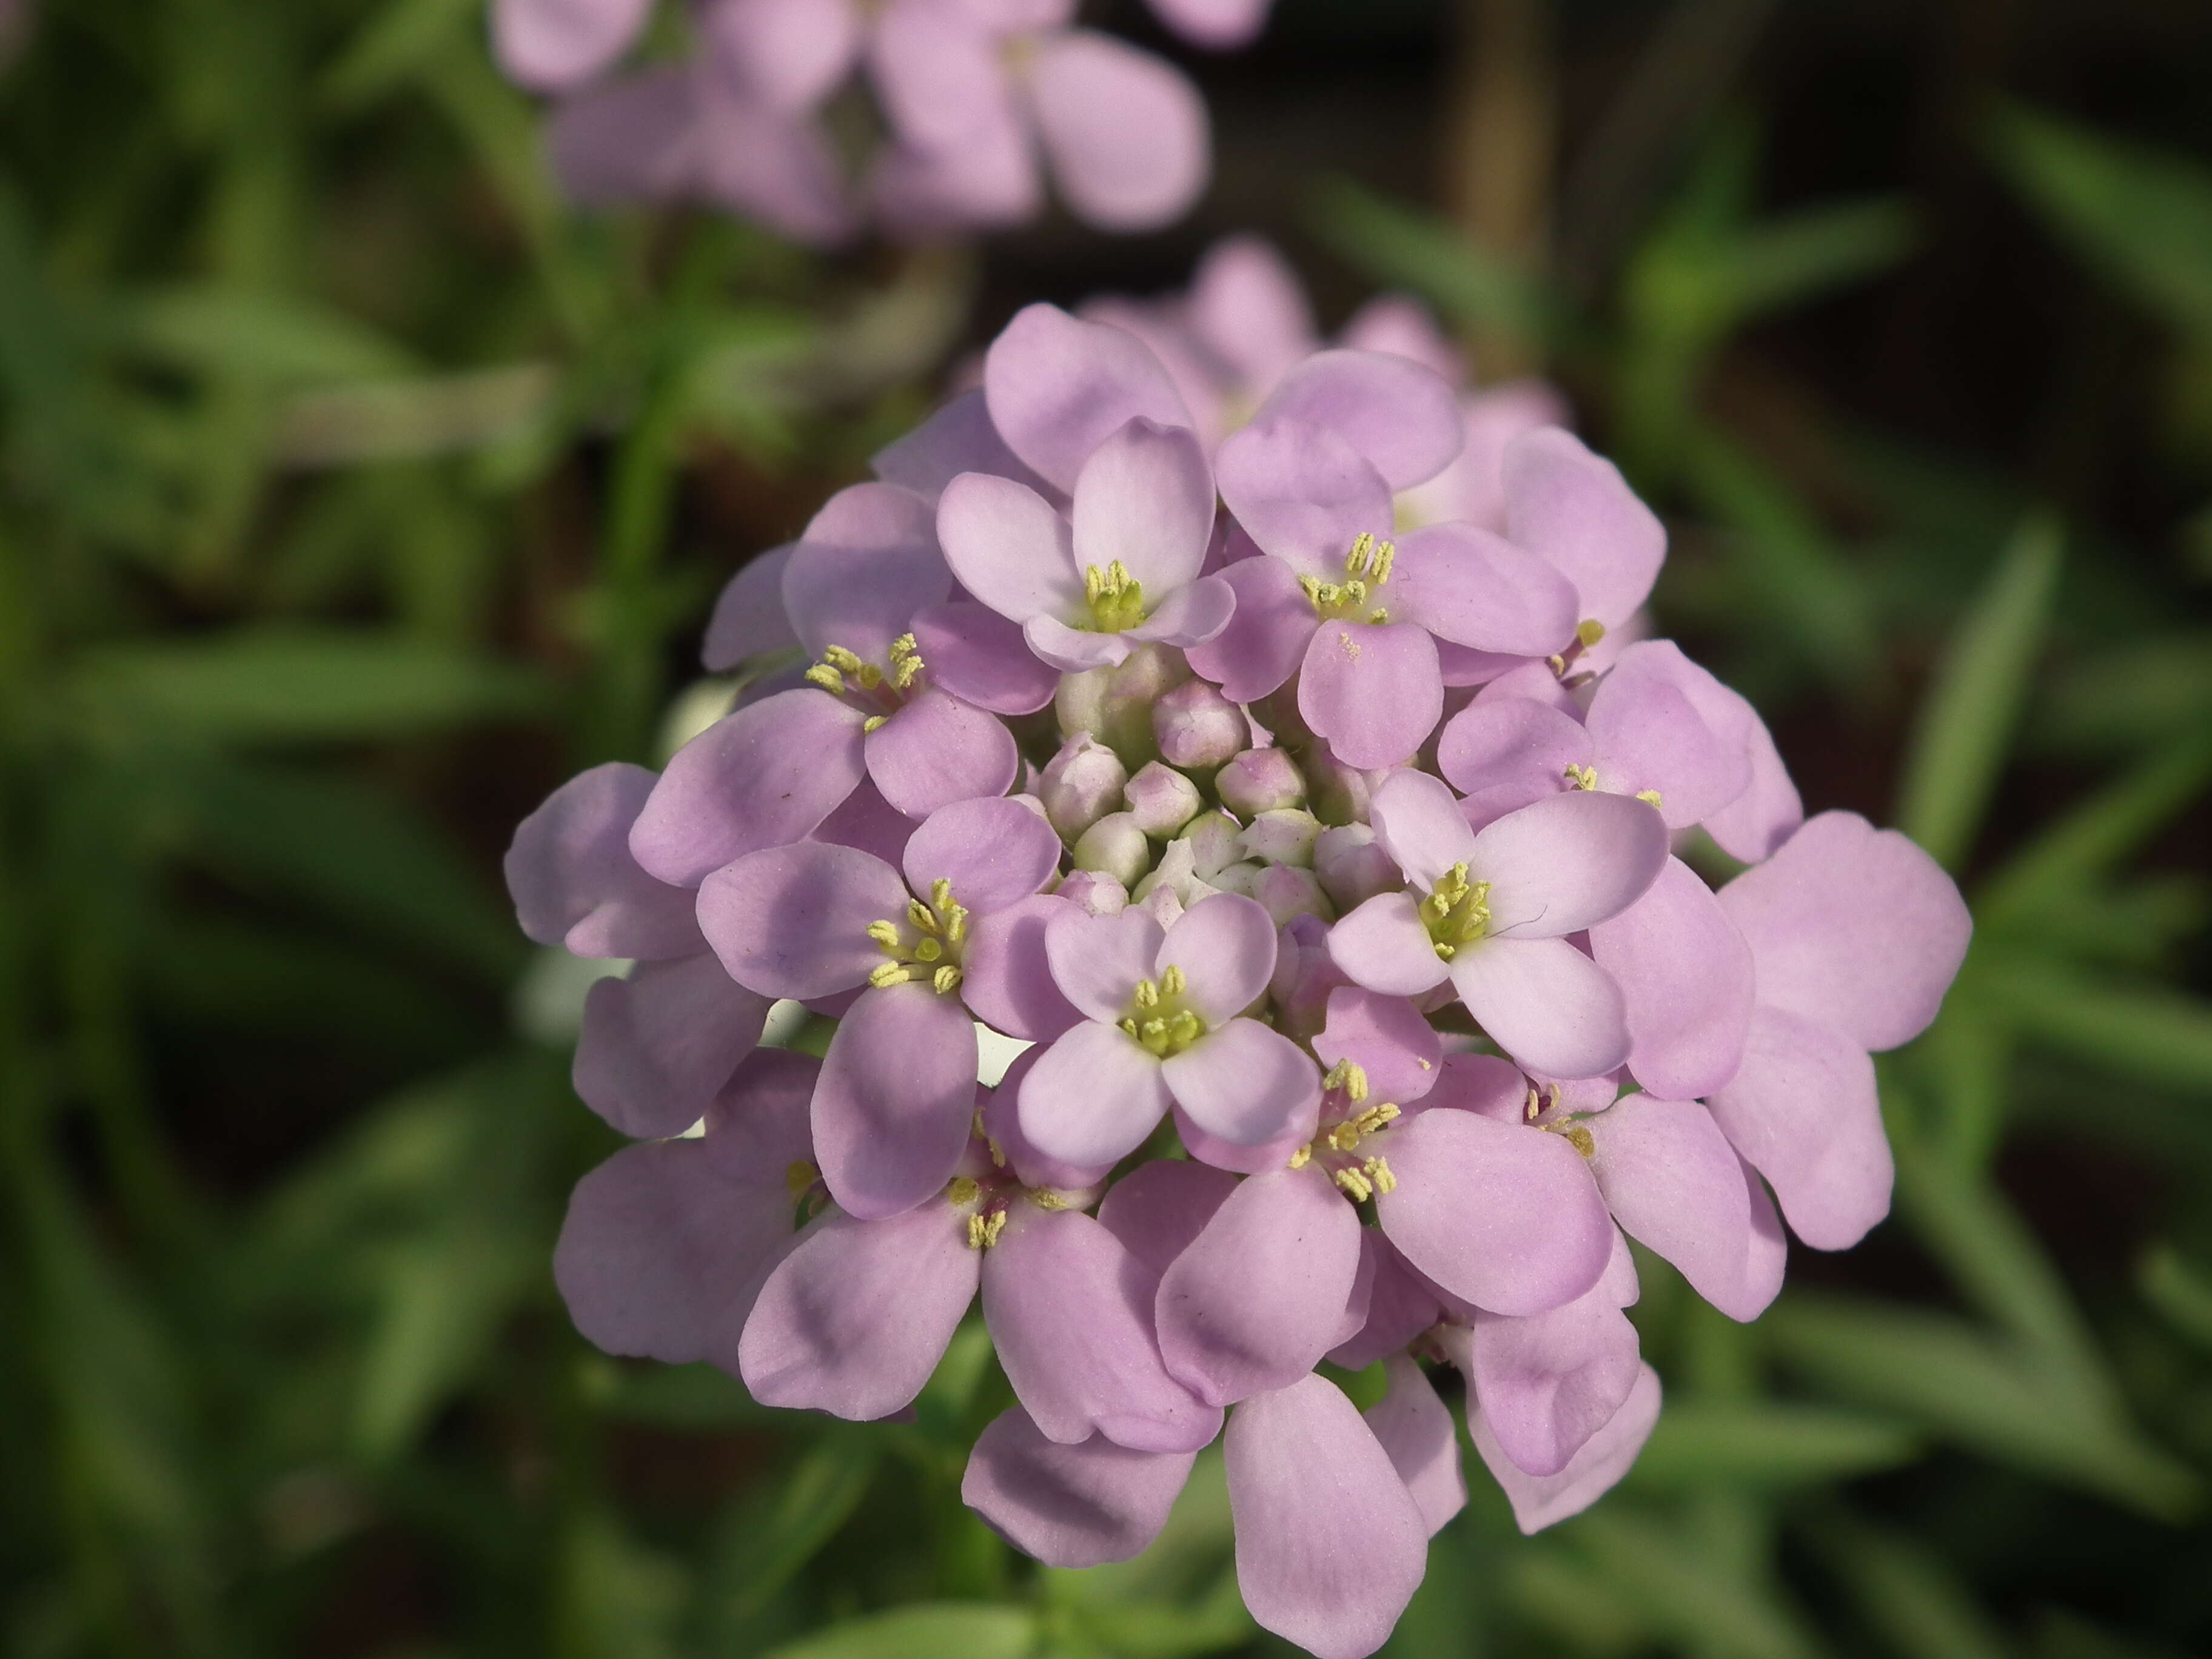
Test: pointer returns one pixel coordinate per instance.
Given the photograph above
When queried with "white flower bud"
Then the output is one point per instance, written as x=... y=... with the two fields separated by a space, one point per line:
x=1117 y=846
x=1214 y=842
x=1095 y=890
x=1195 y=725
x=1285 y=835
x=1259 y=780
x=1285 y=891
x=1161 y=799
x=1353 y=866
x=1081 y=785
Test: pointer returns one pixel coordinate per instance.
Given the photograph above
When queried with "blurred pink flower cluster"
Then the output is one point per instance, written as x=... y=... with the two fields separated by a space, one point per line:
x=976 y=101
x=1258 y=729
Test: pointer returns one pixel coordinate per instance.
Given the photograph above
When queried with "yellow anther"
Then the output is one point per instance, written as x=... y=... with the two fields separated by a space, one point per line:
x=940 y=894
x=869 y=675
x=1582 y=777
x=843 y=661
x=1363 y=550
x=886 y=933
x=1186 y=1028
x=1045 y=1198
x=888 y=974
x=1377 y=1169
x=903 y=673
x=1129 y=1027
x=797 y=1177
x=1532 y=1111
x=923 y=918
x=1355 y=1082
x=1589 y=632
x=947 y=980
x=1345 y=1136
x=1147 y=994
x=983 y=1230
x=827 y=678
x=1385 y=556
x=1651 y=795
x=1301 y=1157
x=1559 y=664
x=1446 y=952
x=1378 y=616
x=962 y=1191
x=1355 y=1185
x=1172 y=983
x=1355 y=592
x=1116 y=598
x=956 y=924
x=1375 y=1117
x=1312 y=586
x=871 y=723
x=903 y=647
x=1581 y=1139
x=928 y=950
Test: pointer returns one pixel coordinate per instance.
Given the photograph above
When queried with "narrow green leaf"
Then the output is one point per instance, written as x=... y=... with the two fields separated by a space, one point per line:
x=1686 y=1592
x=217 y=330
x=1701 y=1444
x=770 y=1534
x=2179 y=1290
x=2142 y=1031
x=1398 y=246
x=1906 y=1594
x=2146 y=695
x=300 y=685
x=1966 y=724
x=1784 y=261
x=933 y=1631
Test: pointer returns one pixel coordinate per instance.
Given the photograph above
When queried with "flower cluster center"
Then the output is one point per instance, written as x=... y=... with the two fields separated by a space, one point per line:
x=1456 y=913
x=1337 y=1146
x=925 y=944
x=1158 y=1019
x=1366 y=567
x=842 y=671
x=988 y=1200
x=1116 y=598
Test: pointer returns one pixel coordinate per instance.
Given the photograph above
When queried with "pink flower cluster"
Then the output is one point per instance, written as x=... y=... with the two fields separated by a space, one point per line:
x=975 y=99
x=1163 y=712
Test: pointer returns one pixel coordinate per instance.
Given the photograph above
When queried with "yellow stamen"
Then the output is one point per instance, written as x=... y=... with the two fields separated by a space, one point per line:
x=962 y=1191
x=797 y=1177
x=1045 y=1198
x=1589 y=632
x=827 y=678
x=1172 y=983
x=888 y=974
x=844 y=661
x=1582 y=777
x=947 y=980
x=921 y=915
x=871 y=723
x=1385 y=556
x=1147 y=994
x=983 y=1230
x=1355 y=1185
x=1377 y=1169
x=1651 y=795
x=886 y=933
x=1301 y=1157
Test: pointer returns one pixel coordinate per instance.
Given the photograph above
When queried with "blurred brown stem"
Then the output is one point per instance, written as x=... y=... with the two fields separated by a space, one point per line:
x=1499 y=140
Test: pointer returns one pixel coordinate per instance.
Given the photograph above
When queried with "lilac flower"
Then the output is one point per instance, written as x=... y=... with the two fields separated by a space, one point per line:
x=857 y=1313
x=961 y=932
x=1855 y=934
x=973 y=89
x=549 y=44
x=1124 y=570
x=655 y=1047
x=1162 y=1028
x=853 y=587
x=1495 y=909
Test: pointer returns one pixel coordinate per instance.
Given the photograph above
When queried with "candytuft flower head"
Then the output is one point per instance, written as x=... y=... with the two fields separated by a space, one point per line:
x=1360 y=1035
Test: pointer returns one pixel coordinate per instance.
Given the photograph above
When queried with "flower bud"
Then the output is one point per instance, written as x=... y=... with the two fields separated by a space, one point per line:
x=1161 y=799
x=1096 y=891
x=1236 y=878
x=1285 y=891
x=1114 y=705
x=1259 y=780
x=1214 y=844
x=1195 y=725
x=1117 y=846
x=1353 y=866
x=1339 y=792
x=1163 y=904
x=1282 y=836
x=1081 y=784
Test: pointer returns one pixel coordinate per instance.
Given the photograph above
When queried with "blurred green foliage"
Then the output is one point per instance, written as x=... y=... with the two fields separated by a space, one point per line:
x=344 y=508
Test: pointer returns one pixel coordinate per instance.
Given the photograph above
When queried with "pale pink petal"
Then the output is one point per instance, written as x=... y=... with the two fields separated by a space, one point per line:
x=867 y=562
x=897 y=1095
x=1244 y=1082
x=1374 y=692
x=749 y=620
x=1478 y=590
x=1686 y=976
x=996 y=852
x=1096 y=961
x=1566 y=862
x=1651 y=733
x=1405 y=328
x=981 y=656
x=575 y=883
x=1302 y=492
x=548 y=45
x=1401 y=1306
x=654 y=1047
x=1753 y=825
x=1220 y=24
x=1126 y=131
x=867 y=823
x=1246 y=303
x=1145 y=499
x=1415 y=1428
x=1158 y=1208
x=1069 y=1506
x=1545 y=1004
x=1058 y=387
x=1574 y=509
x=1539 y=1501
x=937 y=749
x=1266 y=636
x=1675 y=1185
x=1384 y=946
x=1512 y=741
x=1419 y=825
x=1074 y=650
x=1192 y=615
x=1092 y=1096
x=1010 y=547
x=1387 y=1038
x=1330 y=1545
x=1548 y=1381
x=958 y=438
x=793 y=922
x=790 y=53
x=1401 y=417
x=1225 y=946
x=629 y=138
x=1007 y=977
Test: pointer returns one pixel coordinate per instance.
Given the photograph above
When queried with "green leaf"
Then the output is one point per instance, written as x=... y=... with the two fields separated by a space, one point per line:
x=300 y=685
x=1700 y=1445
x=2145 y=695
x=931 y=1631
x=2140 y=1031
x=1905 y=1593
x=1981 y=1394
x=1399 y=245
x=1966 y=724
x=1689 y=1592
x=211 y=329
x=2181 y=1292
x=1784 y=261
x=2143 y=216
x=769 y=1535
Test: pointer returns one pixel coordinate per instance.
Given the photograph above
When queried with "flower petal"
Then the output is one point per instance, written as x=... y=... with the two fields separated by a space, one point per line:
x=1159 y=1207
x=939 y=750
x=1225 y=946
x=790 y=53
x=1565 y=863
x=1661 y=724
x=1126 y=131
x=1477 y=589
x=1191 y=615
x=1330 y=1545
x=868 y=823
x=1302 y=492
x=749 y=619
x=1246 y=304
x=958 y=438
x=1539 y=1501
x=1675 y=1185
x=1074 y=650
x=1069 y=1506
x=1685 y=979
x=1145 y=499
x=1802 y=1110
x=1384 y=946
x=547 y=45
x=1374 y=692
x=981 y=656
x=1415 y=1428
x=996 y=852
x=655 y=1047
x=1244 y=1082
x=897 y=1095
x=856 y=1316
x=760 y=777
x=1007 y=982
x=1512 y=741
x=1092 y=1096
x=1753 y=825
x=1096 y=961
x=1218 y=24
x=1854 y=926
x=793 y=922
x=1502 y=1216
x=1545 y=1004
x=1400 y=417
x=1058 y=387
x=1260 y=1295
x=1070 y=1313
x=1574 y=509
x=1265 y=638
x=1549 y=1381
x=1010 y=547
x=574 y=882
x=1401 y=1306
x=1419 y=826
x=1387 y=1038
x=866 y=562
